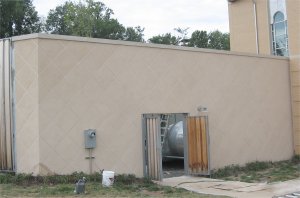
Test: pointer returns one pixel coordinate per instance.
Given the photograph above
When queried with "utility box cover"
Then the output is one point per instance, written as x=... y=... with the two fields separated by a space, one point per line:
x=90 y=138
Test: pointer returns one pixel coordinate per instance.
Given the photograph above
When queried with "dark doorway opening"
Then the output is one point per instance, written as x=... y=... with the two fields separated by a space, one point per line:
x=175 y=144
x=172 y=142
x=173 y=168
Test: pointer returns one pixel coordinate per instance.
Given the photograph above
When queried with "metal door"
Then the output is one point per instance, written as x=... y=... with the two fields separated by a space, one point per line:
x=6 y=108
x=152 y=146
x=198 y=145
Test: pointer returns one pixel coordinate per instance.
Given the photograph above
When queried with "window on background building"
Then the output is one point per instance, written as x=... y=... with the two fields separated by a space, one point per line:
x=279 y=28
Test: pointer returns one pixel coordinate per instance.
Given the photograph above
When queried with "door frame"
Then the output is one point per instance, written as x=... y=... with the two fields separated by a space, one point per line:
x=185 y=117
x=145 y=146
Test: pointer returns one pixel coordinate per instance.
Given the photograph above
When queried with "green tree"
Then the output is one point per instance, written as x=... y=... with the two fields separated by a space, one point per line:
x=59 y=20
x=212 y=40
x=134 y=34
x=18 y=17
x=89 y=18
x=218 y=40
x=167 y=39
x=199 y=39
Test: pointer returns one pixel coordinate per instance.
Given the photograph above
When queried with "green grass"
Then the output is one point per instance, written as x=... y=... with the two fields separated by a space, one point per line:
x=22 y=185
x=28 y=179
x=93 y=190
x=261 y=171
x=26 y=185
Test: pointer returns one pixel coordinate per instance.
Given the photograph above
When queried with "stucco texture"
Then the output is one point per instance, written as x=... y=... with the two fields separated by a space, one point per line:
x=243 y=39
x=107 y=85
x=293 y=14
x=243 y=26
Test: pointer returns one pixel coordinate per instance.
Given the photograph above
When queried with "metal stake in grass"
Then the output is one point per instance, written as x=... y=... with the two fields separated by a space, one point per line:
x=80 y=186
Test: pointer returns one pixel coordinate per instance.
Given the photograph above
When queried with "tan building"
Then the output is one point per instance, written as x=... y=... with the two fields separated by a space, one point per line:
x=54 y=88
x=270 y=27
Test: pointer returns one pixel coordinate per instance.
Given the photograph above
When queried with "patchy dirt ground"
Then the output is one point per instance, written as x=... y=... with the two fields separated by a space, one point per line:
x=174 y=168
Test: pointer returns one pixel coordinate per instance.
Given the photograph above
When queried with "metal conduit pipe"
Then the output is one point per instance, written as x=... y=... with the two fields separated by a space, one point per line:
x=256 y=27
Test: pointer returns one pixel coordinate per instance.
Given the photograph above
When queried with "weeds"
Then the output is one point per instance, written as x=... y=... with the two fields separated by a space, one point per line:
x=296 y=159
x=20 y=185
x=226 y=171
x=261 y=171
x=257 y=166
x=29 y=179
x=27 y=185
x=125 y=179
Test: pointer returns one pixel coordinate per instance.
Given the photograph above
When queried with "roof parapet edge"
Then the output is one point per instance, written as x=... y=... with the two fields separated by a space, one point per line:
x=137 y=44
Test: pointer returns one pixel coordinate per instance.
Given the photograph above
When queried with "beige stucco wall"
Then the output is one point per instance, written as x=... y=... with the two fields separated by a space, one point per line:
x=242 y=39
x=242 y=26
x=293 y=14
x=27 y=105
x=107 y=86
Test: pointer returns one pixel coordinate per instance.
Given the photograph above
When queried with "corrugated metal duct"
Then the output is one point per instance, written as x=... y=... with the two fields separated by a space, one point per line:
x=6 y=124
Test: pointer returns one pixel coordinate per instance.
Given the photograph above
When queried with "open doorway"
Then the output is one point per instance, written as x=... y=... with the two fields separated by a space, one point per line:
x=172 y=142
x=175 y=144
x=164 y=139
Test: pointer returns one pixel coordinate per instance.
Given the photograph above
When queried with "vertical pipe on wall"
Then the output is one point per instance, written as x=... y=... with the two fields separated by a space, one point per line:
x=270 y=28
x=2 y=129
x=256 y=27
x=13 y=107
x=6 y=108
x=90 y=161
x=6 y=105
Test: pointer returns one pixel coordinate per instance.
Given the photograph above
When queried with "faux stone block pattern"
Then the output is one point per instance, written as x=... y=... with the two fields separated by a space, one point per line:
x=27 y=106
x=76 y=83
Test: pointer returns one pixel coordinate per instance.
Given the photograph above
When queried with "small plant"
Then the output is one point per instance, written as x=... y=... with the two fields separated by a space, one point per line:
x=296 y=159
x=27 y=185
x=226 y=171
x=28 y=179
x=261 y=171
x=257 y=166
x=5 y=178
x=125 y=179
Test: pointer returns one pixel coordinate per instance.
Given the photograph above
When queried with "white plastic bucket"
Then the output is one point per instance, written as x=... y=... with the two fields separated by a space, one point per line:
x=108 y=178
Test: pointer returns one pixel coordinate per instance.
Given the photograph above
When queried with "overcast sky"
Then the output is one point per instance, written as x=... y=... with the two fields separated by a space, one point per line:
x=161 y=16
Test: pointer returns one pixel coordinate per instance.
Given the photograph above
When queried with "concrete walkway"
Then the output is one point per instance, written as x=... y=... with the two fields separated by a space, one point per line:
x=232 y=188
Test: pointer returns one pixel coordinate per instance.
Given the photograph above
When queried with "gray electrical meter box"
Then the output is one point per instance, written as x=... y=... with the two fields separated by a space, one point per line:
x=90 y=138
